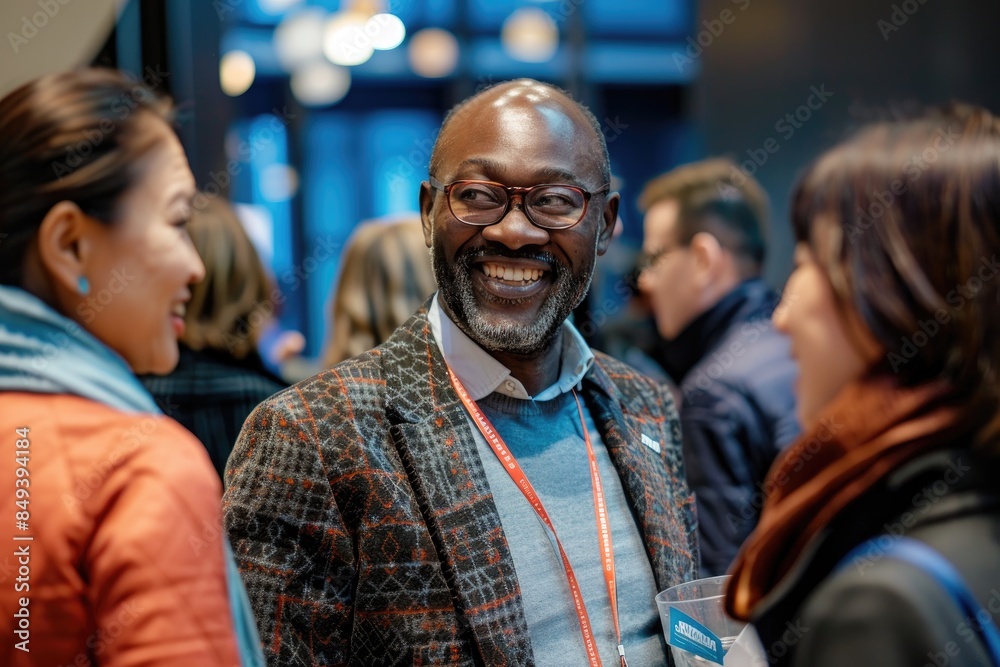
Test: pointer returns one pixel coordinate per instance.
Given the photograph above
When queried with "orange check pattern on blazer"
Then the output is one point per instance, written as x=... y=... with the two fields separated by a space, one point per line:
x=366 y=532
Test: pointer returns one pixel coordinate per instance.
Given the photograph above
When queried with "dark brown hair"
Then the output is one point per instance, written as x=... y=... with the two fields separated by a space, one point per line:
x=231 y=305
x=73 y=136
x=715 y=196
x=904 y=219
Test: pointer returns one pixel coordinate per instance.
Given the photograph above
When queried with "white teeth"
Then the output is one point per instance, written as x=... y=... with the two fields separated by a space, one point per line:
x=511 y=273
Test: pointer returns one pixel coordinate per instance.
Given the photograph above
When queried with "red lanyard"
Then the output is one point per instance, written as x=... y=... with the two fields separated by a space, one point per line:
x=513 y=469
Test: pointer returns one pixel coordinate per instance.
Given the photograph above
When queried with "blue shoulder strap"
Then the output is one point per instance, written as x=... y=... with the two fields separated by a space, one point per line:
x=247 y=640
x=923 y=557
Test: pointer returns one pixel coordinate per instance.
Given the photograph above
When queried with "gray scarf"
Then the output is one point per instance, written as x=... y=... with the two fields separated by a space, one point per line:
x=43 y=352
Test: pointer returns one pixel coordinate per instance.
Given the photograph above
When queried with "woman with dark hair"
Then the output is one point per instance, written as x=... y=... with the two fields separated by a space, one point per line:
x=879 y=541
x=118 y=531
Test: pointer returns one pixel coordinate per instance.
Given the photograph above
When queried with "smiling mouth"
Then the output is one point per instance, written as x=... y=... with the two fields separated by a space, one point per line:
x=512 y=274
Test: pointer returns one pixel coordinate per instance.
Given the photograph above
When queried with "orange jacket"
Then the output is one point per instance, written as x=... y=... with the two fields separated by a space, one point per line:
x=125 y=565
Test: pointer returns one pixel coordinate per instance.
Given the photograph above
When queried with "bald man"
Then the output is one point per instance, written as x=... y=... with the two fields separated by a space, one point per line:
x=482 y=489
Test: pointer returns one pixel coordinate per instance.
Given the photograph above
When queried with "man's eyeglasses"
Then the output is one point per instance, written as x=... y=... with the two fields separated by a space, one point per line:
x=484 y=203
x=647 y=260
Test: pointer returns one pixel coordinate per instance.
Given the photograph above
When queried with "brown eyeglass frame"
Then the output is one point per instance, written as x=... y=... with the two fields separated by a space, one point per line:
x=516 y=191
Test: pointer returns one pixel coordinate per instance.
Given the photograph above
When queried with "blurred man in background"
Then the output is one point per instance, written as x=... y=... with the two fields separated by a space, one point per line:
x=703 y=253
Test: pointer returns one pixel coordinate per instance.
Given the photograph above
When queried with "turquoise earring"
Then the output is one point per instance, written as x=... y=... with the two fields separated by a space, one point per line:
x=83 y=286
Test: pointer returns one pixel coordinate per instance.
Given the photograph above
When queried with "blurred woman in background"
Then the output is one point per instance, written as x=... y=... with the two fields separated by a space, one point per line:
x=126 y=559
x=893 y=310
x=385 y=276
x=220 y=378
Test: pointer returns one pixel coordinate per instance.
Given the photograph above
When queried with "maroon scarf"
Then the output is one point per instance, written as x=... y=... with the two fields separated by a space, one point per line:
x=865 y=433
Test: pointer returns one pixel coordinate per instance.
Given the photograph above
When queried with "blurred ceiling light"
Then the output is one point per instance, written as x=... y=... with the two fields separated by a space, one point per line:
x=277 y=7
x=530 y=35
x=433 y=52
x=236 y=72
x=278 y=182
x=386 y=30
x=320 y=83
x=345 y=41
x=298 y=39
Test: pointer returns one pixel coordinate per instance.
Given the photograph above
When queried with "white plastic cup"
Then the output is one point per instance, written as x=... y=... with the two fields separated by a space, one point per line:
x=700 y=599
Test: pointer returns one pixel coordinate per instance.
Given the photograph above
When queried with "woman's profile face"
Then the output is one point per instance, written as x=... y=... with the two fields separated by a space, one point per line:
x=827 y=356
x=142 y=264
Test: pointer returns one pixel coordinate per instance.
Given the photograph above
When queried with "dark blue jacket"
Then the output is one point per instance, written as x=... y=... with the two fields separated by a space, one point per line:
x=737 y=411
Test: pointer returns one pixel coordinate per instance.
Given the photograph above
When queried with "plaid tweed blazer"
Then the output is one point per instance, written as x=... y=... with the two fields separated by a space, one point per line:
x=364 y=527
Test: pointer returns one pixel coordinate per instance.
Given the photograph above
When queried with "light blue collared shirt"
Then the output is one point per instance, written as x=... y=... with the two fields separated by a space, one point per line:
x=546 y=437
x=482 y=375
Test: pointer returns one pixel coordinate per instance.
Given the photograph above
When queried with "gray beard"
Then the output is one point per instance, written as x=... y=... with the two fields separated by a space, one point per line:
x=455 y=287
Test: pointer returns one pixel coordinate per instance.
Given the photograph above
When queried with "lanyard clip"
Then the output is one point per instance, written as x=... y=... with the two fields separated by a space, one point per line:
x=621 y=653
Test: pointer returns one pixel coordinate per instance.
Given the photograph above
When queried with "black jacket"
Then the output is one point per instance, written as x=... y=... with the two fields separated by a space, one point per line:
x=211 y=394
x=882 y=612
x=737 y=410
